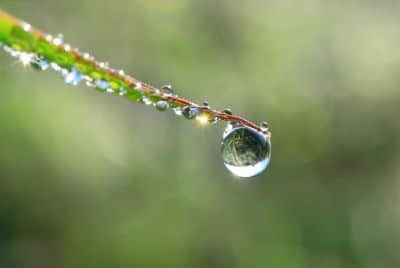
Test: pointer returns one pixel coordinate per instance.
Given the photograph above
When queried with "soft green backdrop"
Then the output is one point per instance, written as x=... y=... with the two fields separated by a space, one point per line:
x=91 y=180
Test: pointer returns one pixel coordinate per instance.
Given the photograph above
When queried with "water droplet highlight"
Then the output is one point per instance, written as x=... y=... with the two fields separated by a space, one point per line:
x=246 y=152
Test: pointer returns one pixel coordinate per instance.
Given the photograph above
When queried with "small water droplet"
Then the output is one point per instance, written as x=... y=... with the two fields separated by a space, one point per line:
x=213 y=119
x=167 y=89
x=73 y=77
x=145 y=100
x=14 y=53
x=103 y=65
x=227 y=111
x=101 y=84
x=138 y=86
x=190 y=112
x=67 y=47
x=162 y=105
x=246 y=152
x=26 y=58
x=122 y=91
x=177 y=110
x=264 y=125
x=48 y=38
x=86 y=56
x=26 y=26
x=39 y=63
x=55 y=66
x=57 y=41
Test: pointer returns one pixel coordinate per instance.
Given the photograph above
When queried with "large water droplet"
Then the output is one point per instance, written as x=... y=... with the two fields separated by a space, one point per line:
x=246 y=152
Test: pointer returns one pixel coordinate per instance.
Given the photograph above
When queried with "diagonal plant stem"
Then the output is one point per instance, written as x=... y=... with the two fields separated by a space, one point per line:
x=33 y=44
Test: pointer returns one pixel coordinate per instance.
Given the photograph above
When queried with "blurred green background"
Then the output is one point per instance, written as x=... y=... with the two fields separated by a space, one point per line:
x=91 y=180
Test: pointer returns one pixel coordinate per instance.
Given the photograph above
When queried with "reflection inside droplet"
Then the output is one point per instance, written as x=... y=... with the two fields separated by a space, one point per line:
x=246 y=152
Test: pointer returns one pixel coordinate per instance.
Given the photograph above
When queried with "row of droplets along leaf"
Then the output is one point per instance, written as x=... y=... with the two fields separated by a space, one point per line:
x=245 y=150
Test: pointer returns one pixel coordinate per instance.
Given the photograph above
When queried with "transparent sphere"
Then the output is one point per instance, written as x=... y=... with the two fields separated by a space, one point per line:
x=246 y=152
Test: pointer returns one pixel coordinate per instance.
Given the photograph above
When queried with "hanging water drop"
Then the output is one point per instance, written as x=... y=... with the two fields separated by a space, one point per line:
x=162 y=105
x=73 y=77
x=246 y=152
x=190 y=112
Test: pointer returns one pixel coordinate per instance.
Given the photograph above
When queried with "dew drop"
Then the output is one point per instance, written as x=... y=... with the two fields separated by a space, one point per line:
x=162 y=105
x=67 y=47
x=26 y=58
x=26 y=26
x=122 y=91
x=58 y=40
x=190 y=112
x=138 y=86
x=101 y=84
x=86 y=56
x=167 y=89
x=48 y=38
x=264 y=125
x=145 y=100
x=177 y=110
x=11 y=51
x=39 y=63
x=227 y=111
x=73 y=77
x=246 y=152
